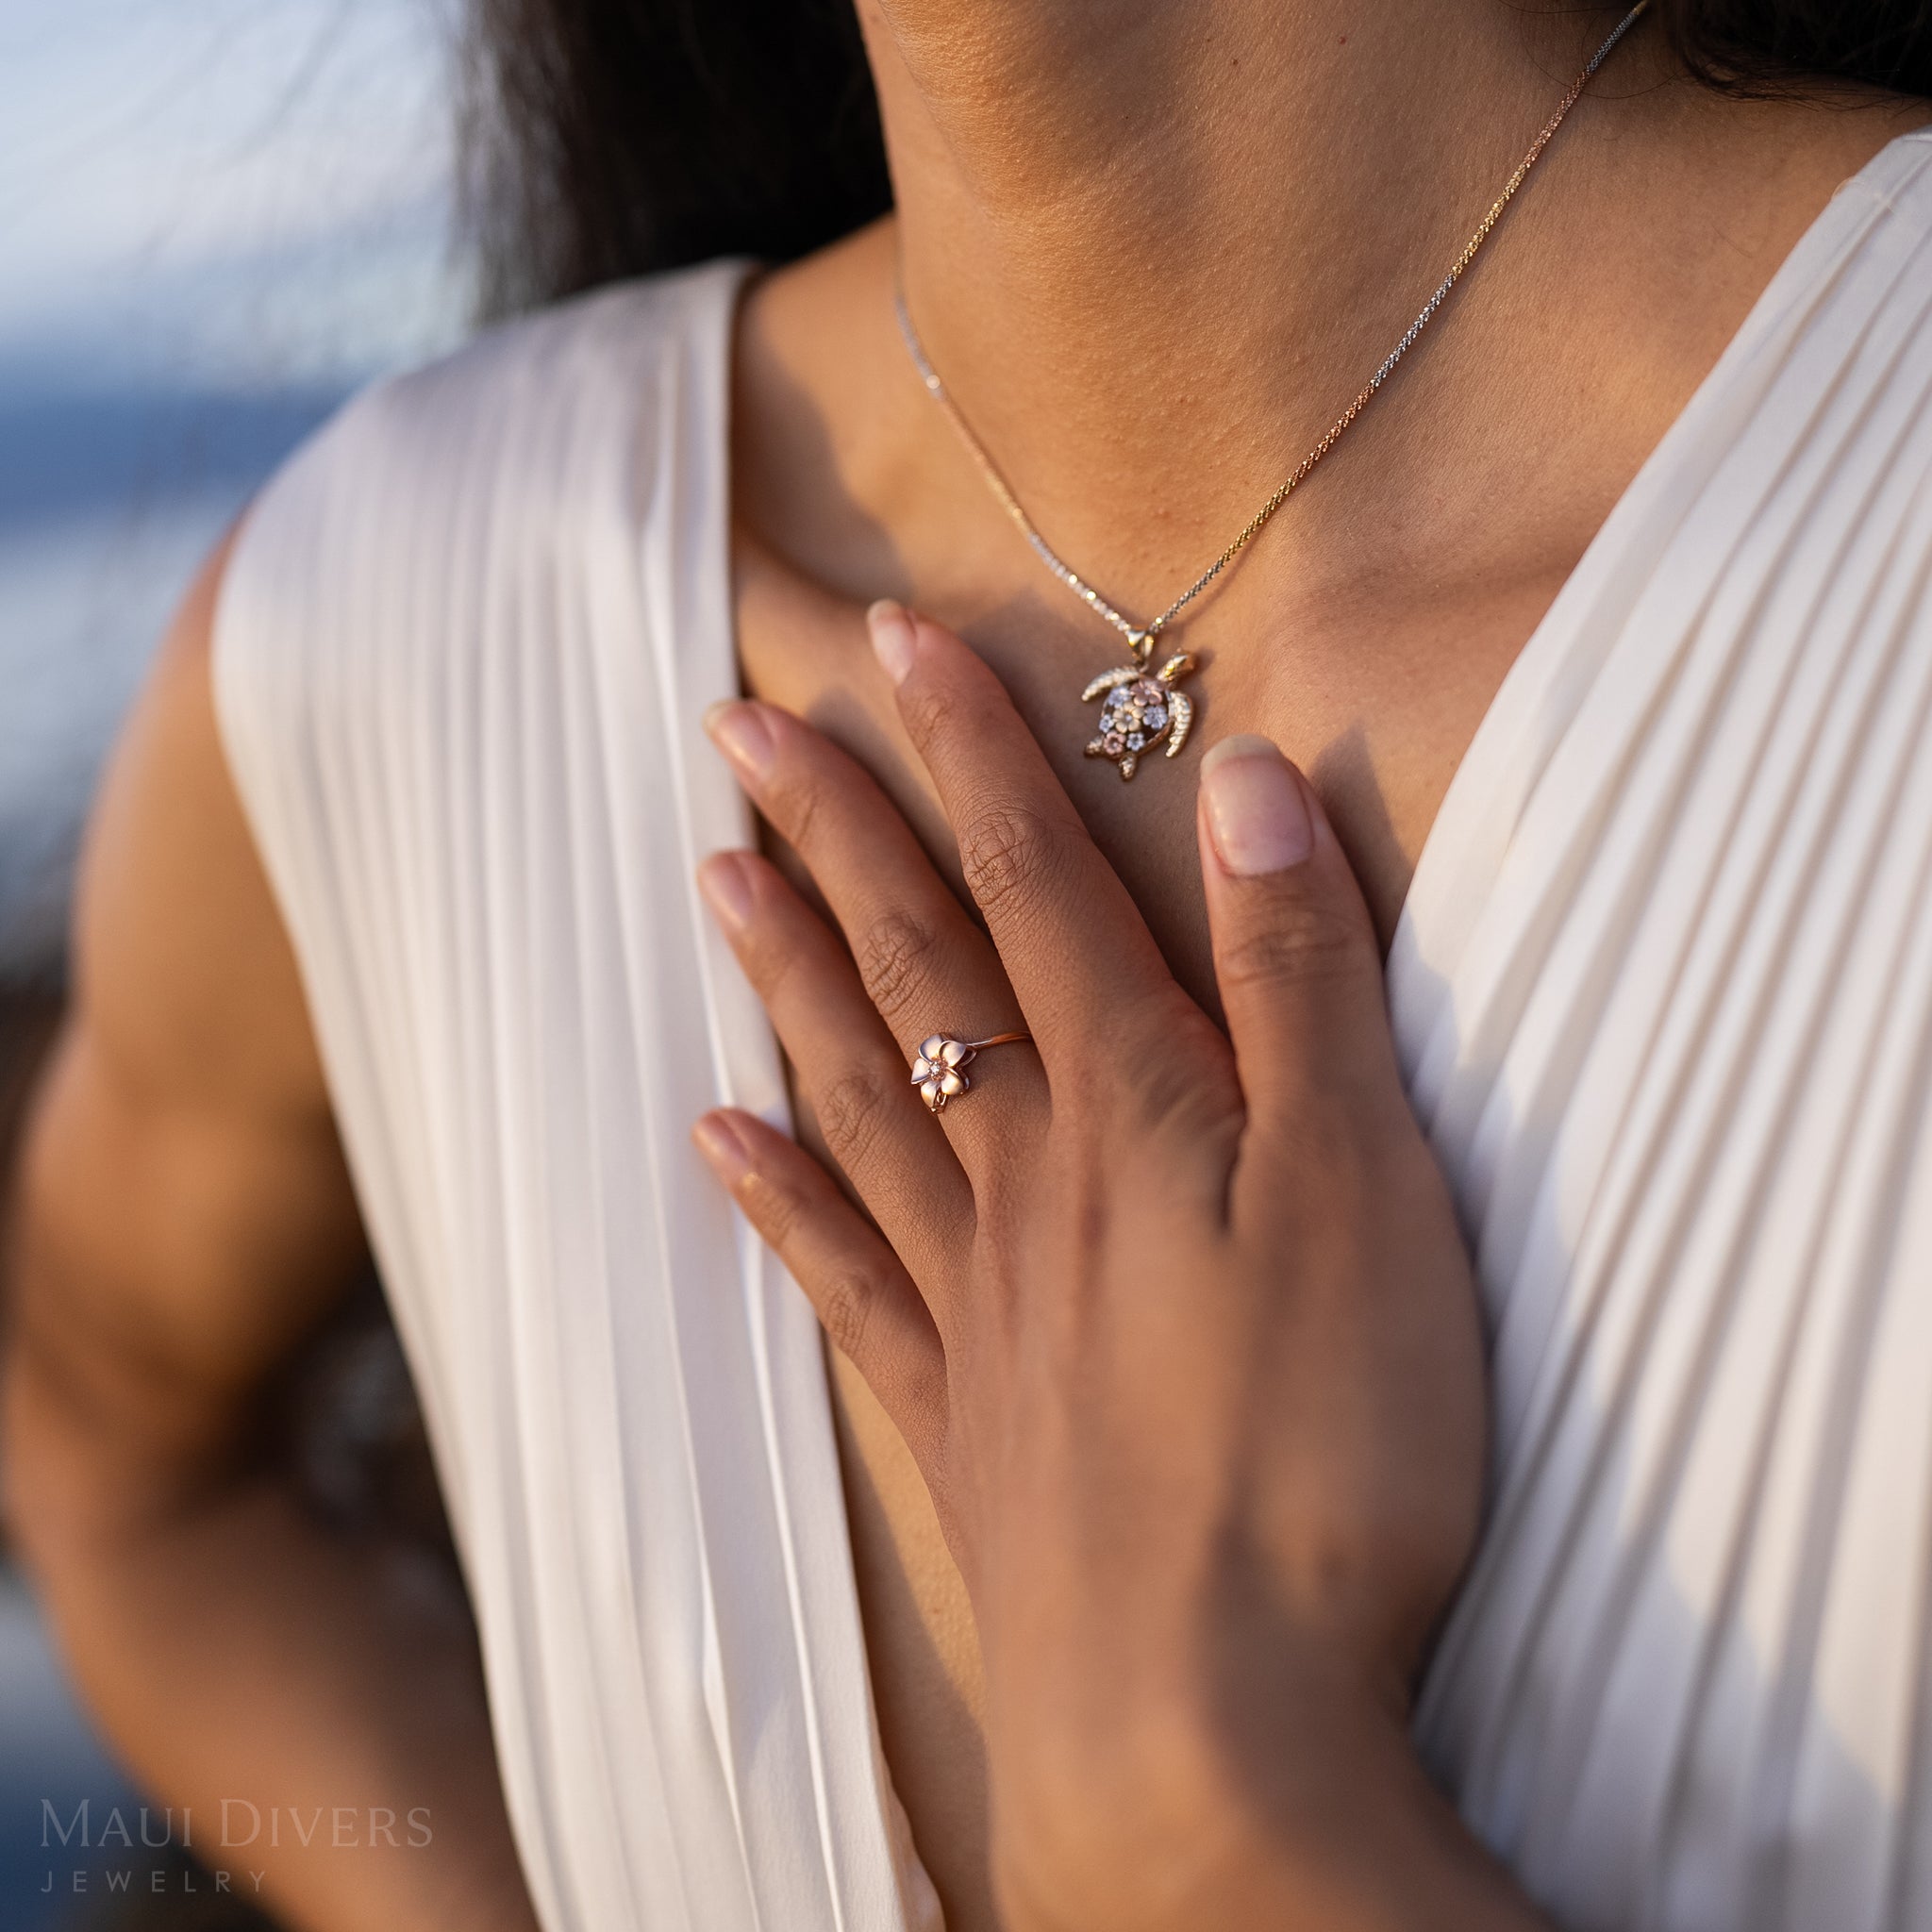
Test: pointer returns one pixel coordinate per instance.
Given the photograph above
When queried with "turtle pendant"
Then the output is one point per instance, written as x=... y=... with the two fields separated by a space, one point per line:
x=1143 y=708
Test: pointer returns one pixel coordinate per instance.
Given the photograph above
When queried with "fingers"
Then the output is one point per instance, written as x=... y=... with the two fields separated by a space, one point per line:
x=924 y=965
x=852 y=1072
x=1071 y=939
x=1294 y=951
x=863 y=1296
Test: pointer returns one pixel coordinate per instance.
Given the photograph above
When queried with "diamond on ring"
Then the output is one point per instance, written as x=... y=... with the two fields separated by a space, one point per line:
x=940 y=1070
x=937 y=1071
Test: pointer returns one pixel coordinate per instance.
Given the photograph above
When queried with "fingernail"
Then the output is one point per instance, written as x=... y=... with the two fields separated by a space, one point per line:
x=726 y=889
x=718 y=1142
x=893 y=638
x=1256 y=815
x=743 y=733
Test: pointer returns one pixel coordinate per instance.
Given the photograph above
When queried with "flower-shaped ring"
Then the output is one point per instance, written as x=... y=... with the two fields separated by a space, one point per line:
x=939 y=1071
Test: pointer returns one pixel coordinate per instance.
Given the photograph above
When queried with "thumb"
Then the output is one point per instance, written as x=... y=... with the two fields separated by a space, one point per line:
x=1294 y=950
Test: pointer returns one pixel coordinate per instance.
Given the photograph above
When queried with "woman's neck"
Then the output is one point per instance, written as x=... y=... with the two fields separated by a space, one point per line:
x=1149 y=246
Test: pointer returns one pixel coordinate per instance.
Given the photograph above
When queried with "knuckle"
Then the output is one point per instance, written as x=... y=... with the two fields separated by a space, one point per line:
x=1178 y=1098
x=931 y=711
x=766 y=958
x=792 y=799
x=852 y=1113
x=1008 y=849
x=844 y=1313
x=1355 y=1166
x=1303 y=943
x=894 y=957
x=777 y=1207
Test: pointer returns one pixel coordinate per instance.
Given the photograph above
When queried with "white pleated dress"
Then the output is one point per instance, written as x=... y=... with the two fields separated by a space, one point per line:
x=1664 y=990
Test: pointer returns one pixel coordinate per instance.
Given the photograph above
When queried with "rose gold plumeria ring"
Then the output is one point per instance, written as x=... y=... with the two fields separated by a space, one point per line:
x=939 y=1071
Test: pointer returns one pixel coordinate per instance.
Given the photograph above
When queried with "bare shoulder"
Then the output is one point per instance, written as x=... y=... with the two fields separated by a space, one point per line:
x=185 y=978
x=187 y=1088
x=185 y=1215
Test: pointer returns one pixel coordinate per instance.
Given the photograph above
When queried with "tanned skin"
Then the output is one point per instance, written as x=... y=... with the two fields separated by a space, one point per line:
x=1154 y=250
x=186 y=1221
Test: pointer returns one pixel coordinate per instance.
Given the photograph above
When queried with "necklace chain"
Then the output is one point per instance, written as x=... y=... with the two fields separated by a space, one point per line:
x=1142 y=636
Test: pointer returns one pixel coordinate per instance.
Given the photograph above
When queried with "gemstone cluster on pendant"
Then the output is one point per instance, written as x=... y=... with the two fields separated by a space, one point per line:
x=1140 y=710
x=1133 y=716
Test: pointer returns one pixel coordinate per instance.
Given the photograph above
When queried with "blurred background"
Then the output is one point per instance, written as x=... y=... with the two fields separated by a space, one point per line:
x=217 y=219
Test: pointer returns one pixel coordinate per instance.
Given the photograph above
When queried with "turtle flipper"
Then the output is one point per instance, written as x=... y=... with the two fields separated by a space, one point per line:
x=1129 y=763
x=1122 y=674
x=1182 y=707
x=1097 y=748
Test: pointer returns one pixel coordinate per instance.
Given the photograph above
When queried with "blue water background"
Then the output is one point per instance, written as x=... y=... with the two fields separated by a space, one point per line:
x=217 y=219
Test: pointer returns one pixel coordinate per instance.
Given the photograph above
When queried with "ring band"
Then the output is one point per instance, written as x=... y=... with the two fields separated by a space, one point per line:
x=939 y=1071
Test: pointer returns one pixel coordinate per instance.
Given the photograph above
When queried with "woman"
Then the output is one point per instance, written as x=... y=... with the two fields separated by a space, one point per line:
x=1629 y=548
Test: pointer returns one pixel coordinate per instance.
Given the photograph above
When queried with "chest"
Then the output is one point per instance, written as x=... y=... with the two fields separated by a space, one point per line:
x=1376 y=696
x=1378 y=709
x=1662 y=1006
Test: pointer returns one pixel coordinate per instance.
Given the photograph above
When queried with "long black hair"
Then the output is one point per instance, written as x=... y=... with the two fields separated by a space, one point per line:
x=613 y=138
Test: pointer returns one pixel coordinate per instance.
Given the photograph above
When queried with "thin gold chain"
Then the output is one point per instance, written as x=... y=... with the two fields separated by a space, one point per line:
x=1142 y=636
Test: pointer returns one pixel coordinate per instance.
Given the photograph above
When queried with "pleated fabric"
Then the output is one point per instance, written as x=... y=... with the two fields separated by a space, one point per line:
x=462 y=651
x=1663 y=993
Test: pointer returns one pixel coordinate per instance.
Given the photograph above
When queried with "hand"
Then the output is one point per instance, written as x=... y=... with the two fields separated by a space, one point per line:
x=1176 y=1324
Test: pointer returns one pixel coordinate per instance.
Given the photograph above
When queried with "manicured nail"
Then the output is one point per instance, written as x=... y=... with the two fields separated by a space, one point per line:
x=893 y=638
x=743 y=733
x=727 y=888
x=718 y=1142
x=1256 y=815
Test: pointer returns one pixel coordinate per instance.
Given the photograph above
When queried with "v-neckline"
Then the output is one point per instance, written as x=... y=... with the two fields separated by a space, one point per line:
x=1462 y=852
x=1457 y=867
x=1456 y=863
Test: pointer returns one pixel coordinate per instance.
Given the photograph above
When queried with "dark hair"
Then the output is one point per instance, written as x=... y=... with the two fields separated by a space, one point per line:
x=613 y=138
